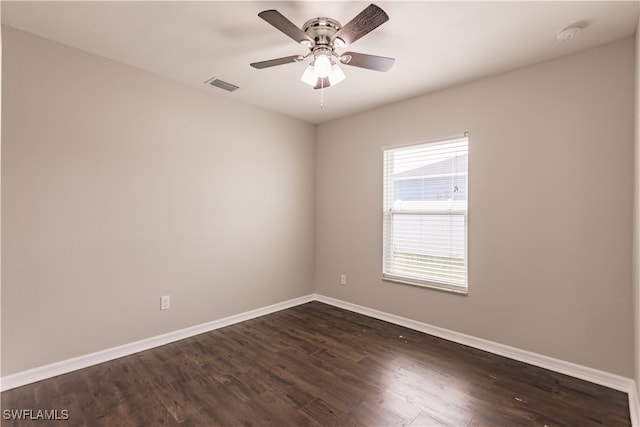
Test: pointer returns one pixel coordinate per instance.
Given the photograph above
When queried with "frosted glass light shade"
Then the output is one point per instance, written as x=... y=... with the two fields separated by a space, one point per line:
x=336 y=76
x=309 y=76
x=322 y=66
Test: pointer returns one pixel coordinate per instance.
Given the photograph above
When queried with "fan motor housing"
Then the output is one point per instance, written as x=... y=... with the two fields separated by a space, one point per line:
x=321 y=30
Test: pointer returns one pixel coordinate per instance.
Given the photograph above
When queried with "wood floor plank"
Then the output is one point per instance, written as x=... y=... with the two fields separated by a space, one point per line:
x=317 y=365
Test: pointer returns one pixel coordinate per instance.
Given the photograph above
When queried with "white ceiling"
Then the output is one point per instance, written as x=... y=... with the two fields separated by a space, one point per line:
x=436 y=44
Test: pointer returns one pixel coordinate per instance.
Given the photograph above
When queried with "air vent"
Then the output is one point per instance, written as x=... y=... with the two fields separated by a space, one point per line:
x=222 y=84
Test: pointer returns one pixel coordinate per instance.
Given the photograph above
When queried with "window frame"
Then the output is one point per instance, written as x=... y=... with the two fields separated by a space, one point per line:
x=454 y=209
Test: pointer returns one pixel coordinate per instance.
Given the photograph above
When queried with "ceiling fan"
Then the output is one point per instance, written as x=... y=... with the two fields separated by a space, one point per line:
x=322 y=36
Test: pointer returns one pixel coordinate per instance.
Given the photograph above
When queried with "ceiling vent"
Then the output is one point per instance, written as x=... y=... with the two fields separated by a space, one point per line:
x=222 y=84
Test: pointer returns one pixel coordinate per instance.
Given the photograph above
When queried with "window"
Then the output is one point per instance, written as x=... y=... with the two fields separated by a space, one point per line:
x=425 y=214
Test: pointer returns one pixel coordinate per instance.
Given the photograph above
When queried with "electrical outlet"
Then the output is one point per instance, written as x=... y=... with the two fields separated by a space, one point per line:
x=165 y=302
x=343 y=279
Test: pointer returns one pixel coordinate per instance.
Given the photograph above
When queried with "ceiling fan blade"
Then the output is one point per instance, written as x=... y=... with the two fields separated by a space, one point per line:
x=278 y=61
x=276 y=19
x=323 y=82
x=366 y=21
x=371 y=62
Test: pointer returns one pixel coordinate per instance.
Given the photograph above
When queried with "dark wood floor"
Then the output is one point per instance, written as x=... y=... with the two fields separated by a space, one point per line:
x=317 y=365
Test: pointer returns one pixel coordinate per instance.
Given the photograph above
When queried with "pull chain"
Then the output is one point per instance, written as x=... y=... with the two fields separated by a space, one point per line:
x=321 y=94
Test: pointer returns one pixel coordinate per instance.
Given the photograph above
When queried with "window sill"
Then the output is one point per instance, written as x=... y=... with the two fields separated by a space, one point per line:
x=429 y=285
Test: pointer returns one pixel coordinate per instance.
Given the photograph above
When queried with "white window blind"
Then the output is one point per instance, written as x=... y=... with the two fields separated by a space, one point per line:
x=425 y=214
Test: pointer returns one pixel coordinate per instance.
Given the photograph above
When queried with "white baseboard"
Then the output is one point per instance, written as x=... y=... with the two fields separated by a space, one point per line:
x=634 y=407
x=43 y=372
x=606 y=379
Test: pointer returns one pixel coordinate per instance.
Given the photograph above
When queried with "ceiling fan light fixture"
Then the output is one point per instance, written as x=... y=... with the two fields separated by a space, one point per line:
x=322 y=66
x=336 y=76
x=309 y=77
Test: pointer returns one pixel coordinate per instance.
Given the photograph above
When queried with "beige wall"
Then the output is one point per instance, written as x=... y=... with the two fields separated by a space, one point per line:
x=120 y=186
x=550 y=208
